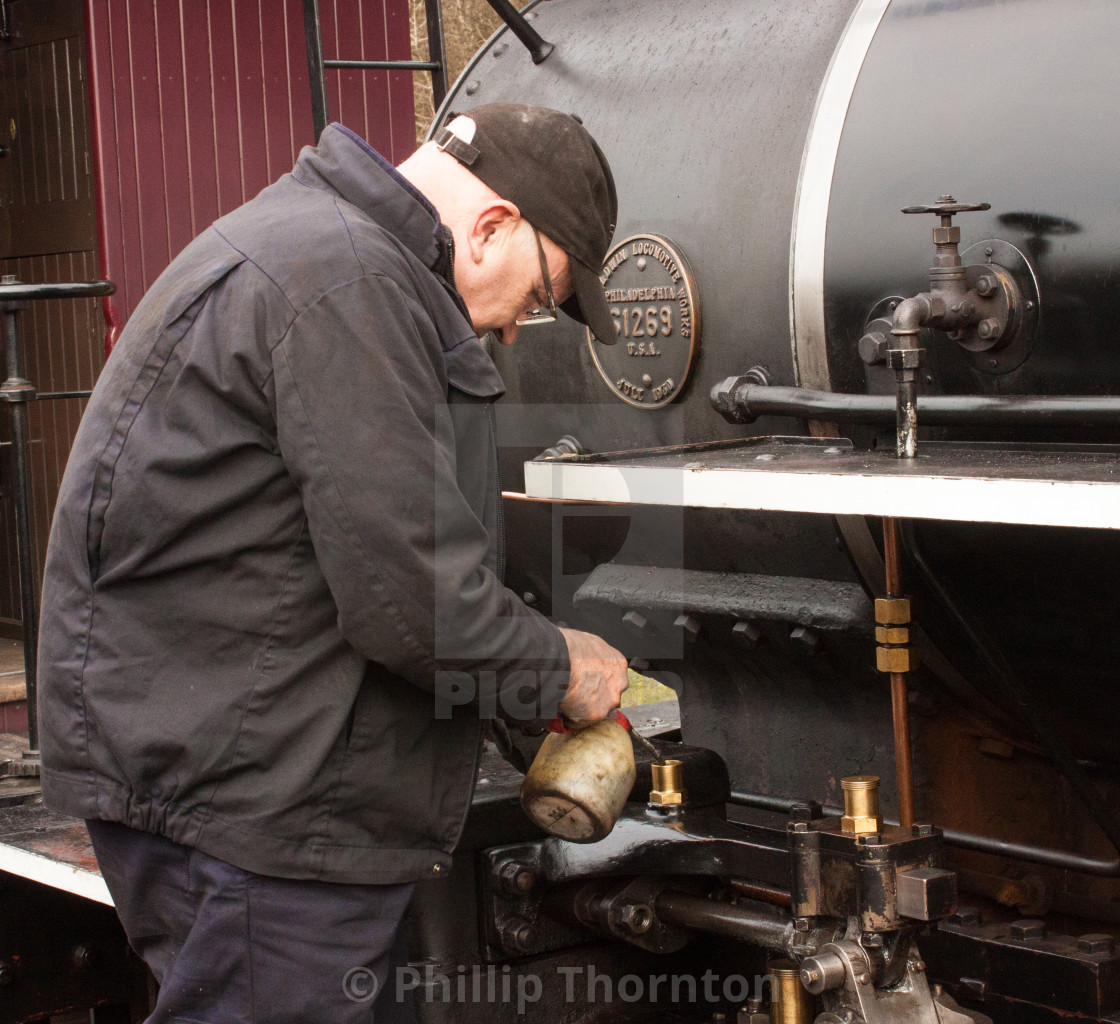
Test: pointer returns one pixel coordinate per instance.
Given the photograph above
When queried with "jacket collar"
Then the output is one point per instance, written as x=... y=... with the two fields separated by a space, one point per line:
x=345 y=163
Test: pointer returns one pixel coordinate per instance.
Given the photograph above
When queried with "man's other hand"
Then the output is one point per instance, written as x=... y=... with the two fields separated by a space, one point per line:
x=597 y=681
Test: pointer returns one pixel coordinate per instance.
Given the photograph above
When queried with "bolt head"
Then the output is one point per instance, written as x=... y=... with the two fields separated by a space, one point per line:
x=1095 y=942
x=1028 y=929
x=689 y=625
x=965 y=916
x=746 y=634
x=636 y=622
x=873 y=348
x=807 y=639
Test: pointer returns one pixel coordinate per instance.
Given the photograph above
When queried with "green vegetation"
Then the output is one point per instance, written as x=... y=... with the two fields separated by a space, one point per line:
x=644 y=690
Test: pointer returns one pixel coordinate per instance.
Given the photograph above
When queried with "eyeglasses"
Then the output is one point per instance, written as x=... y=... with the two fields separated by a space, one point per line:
x=540 y=316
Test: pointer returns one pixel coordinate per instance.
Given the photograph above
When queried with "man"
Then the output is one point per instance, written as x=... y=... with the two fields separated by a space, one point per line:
x=275 y=564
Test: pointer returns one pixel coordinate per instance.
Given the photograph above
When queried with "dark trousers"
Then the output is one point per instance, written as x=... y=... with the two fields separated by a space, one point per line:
x=231 y=947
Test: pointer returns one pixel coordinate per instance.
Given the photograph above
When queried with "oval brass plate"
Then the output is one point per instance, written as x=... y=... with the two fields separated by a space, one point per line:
x=653 y=299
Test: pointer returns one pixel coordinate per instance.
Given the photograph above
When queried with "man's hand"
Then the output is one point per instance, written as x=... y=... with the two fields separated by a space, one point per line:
x=598 y=678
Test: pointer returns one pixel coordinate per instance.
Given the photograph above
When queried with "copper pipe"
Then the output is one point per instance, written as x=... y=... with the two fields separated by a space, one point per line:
x=900 y=706
x=762 y=893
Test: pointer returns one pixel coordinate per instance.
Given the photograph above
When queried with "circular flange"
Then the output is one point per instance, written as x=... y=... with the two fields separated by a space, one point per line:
x=652 y=296
x=1022 y=318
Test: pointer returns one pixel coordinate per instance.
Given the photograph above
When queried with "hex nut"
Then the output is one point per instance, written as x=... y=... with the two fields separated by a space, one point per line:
x=904 y=358
x=989 y=328
x=665 y=798
x=892 y=611
x=946 y=236
x=892 y=635
x=637 y=917
x=895 y=659
x=987 y=285
x=519 y=935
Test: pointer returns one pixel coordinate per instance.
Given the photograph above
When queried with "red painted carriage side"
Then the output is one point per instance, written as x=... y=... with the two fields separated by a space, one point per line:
x=198 y=104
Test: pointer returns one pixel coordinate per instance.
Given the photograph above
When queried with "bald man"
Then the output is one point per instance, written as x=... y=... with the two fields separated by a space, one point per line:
x=273 y=611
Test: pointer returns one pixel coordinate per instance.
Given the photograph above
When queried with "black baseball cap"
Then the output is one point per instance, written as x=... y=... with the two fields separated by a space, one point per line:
x=550 y=167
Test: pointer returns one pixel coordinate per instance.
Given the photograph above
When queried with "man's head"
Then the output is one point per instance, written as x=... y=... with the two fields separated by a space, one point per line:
x=515 y=183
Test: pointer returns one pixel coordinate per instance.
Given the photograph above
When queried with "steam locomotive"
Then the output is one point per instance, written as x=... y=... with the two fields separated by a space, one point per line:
x=937 y=421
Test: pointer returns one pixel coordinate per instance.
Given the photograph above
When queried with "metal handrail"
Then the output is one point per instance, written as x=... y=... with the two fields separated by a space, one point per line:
x=17 y=391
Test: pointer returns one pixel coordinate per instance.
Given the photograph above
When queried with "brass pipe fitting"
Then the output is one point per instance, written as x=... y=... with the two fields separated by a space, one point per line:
x=861 y=805
x=668 y=784
x=789 y=1002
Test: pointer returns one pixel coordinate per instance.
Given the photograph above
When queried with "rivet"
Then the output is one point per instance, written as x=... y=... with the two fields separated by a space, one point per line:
x=500 y=49
x=472 y=87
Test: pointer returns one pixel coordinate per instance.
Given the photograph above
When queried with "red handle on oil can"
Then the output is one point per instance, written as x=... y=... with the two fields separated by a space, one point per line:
x=559 y=724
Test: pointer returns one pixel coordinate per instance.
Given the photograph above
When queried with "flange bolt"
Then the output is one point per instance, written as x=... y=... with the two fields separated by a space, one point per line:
x=989 y=328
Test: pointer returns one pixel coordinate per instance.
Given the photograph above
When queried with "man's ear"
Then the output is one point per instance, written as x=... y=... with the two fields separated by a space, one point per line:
x=492 y=225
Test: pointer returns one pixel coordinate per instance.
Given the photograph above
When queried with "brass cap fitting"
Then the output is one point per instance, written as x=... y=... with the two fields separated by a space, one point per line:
x=789 y=1001
x=668 y=789
x=861 y=805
